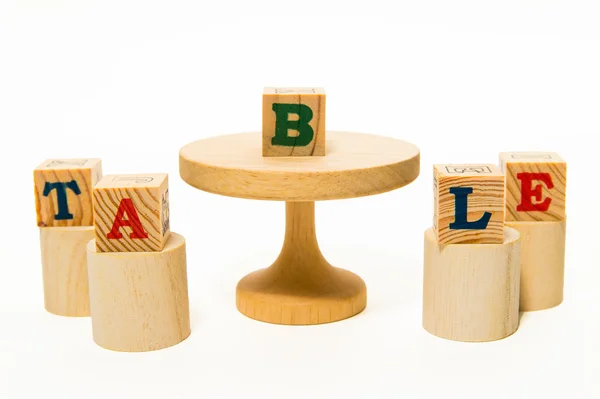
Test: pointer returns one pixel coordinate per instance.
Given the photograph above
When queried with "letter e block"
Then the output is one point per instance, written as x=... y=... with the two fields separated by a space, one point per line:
x=536 y=184
x=132 y=213
x=63 y=191
x=468 y=204
x=293 y=122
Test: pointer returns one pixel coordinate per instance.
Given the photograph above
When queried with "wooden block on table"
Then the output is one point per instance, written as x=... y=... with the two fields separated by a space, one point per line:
x=293 y=122
x=535 y=186
x=132 y=213
x=468 y=204
x=63 y=191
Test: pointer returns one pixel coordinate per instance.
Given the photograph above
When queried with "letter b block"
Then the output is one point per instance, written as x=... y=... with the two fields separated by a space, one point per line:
x=63 y=191
x=293 y=122
x=536 y=185
x=468 y=204
x=132 y=213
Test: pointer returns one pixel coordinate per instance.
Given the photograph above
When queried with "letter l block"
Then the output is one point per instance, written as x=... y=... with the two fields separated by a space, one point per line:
x=468 y=204
x=293 y=122
x=132 y=213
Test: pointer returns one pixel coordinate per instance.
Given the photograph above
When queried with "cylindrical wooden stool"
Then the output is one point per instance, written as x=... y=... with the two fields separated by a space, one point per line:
x=64 y=269
x=139 y=300
x=471 y=291
x=542 y=263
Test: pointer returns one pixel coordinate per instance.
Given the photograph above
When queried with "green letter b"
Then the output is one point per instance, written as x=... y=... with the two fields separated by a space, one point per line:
x=283 y=124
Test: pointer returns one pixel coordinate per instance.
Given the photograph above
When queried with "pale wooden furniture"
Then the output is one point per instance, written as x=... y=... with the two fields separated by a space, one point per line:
x=471 y=291
x=542 y=263
x=536 y=184
x=470 y=195
x=64 y=269
x=63 y=201
x=300 y=287
x=139 y=300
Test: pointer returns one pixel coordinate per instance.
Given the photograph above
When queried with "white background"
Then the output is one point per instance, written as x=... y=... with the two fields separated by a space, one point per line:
x=132 y=82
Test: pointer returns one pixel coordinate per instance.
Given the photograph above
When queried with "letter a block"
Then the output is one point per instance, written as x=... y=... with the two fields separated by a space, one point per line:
x=63 y=191
x=468 y=204
x=293 y=122
x=536 y=185
x=132 y=213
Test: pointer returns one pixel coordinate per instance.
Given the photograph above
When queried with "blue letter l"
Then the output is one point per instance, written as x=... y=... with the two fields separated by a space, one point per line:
x=460 y=211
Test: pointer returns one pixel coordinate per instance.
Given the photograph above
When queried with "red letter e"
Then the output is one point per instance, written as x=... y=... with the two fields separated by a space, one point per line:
x=133 y=221
x=528 y=192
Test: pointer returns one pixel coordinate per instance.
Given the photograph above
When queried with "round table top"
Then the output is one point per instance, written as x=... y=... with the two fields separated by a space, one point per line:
x=355 y=165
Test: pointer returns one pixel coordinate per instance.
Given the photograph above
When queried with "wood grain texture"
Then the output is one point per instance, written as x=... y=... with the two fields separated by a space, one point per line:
x=487 y=183
x=314 y=98
x=84 y=172
x=64 y=269
x=471 y=291
x=149 y=195
x=554 y=190
x=542 y=263
x=139 y=300
x=301 y=287
x=356 y=165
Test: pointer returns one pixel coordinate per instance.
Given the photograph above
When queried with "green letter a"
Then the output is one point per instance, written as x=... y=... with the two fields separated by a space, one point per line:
x=283 y=124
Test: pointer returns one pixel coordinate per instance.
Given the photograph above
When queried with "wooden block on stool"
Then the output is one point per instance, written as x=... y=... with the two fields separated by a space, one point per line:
x=542 y=263
x=468 y=204
x=293 y=122
x=536 y=185
x=132 y=213
x=139 y=300
x=471 y=291
x=64 y=269
x=63 y=191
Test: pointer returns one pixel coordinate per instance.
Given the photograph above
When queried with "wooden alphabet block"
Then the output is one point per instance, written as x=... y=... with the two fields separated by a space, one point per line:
x=468 y=204
x=63 y=191
x=132 y=213
x=536 y=184
x=293 y=122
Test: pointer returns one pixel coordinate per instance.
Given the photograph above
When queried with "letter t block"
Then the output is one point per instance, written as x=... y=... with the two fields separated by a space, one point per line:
x=132 y=213
x=293 y=122
x=536 y=184
x=468 y=204
x=63 y=191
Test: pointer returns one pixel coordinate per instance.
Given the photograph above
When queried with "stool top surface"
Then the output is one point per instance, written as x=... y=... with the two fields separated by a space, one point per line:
x=355 y=165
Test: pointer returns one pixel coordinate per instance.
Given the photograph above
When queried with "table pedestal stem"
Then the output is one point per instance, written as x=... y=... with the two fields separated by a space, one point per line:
x=301 y=287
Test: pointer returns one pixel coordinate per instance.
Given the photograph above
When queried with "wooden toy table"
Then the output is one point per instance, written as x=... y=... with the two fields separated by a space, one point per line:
x=300 y=287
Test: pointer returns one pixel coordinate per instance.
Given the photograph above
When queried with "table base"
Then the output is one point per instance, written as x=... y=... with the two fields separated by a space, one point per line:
x=301 y=287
